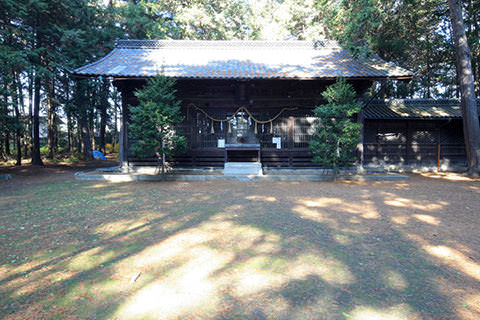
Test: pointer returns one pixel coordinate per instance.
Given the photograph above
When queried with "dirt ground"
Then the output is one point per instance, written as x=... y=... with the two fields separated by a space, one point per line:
x=26 y=174
x=238 y=250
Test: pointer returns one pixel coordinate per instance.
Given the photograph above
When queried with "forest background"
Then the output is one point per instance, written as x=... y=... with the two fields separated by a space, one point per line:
x=41 y=41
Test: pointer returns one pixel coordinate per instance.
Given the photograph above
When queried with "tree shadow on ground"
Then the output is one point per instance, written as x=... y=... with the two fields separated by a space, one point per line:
x=224 y=251
x=369 y=258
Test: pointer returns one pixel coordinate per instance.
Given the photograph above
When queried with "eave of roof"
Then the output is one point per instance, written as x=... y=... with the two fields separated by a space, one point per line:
x=238 y=60
x=414 y=109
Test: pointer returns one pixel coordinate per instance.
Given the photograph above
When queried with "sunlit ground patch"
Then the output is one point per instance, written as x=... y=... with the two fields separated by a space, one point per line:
x=91 y=259
x=311 y=209
x=400 y=219
x=455 y=259
x=186 y=290
x=452 y=176
x=398 y=312
x=261 y=198
x=427 y=219
x=411 y=203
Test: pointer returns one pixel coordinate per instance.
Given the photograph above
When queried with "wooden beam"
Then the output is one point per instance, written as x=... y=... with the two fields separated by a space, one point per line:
x=123 y=140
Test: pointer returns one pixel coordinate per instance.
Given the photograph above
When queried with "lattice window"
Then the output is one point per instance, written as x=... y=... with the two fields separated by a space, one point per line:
x=303 y=129
x=203 y=131
x=391 y=135
x=280 y=130
x=268 y=137
x=424 y=136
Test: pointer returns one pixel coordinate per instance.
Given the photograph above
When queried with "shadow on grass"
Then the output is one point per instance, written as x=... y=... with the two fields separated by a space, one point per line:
x=208 y=251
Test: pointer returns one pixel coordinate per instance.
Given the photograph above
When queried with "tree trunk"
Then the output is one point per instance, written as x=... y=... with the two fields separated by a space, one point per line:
x=103 y=114
x=81 y=96
x=52 y=112
x=68 y=113
x=86 y=141
x=21 y=103
x=18 y=137
x=91 y=116
x=475 y=35
x=471 y=126
x=163 y=156
x=79 y=137
x=115 y=126
x=7 y=143
x=18 y=131
x=69 y=134
x=30 y=112
x=36 y=159
x=7 y=130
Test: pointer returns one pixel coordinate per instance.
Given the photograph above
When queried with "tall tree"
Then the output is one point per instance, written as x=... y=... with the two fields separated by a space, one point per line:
x=82 y=109
x=471 y=126
x=411 y=33
x=12 y=60
x=18 y=121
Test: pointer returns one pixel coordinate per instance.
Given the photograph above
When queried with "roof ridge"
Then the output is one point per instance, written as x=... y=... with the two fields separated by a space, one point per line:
x=161 y=44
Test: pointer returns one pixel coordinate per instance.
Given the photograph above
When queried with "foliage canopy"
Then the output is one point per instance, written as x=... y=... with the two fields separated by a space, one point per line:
x=42 y=40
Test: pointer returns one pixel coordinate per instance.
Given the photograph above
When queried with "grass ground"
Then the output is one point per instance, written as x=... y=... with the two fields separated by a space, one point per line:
x=234 y=250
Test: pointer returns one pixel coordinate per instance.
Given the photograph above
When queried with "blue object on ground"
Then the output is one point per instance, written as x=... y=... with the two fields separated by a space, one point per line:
x=98 y=155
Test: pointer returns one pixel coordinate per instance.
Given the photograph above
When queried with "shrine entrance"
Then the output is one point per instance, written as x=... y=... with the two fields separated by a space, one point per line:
x=242 y=143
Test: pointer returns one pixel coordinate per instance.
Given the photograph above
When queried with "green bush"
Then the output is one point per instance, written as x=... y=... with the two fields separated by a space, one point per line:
x=336 y=136
x=152 y=127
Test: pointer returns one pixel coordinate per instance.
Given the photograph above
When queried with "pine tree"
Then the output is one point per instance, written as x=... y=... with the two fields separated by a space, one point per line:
x=153 y=121
x=336 y=135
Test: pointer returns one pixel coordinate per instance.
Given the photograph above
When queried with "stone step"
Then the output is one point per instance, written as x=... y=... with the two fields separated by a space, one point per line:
x=242 y=168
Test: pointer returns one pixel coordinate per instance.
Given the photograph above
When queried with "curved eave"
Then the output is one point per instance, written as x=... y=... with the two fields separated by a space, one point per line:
x=135 y=77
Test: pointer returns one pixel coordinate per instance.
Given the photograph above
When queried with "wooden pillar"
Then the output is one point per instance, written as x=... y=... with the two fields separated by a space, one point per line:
x=377 y=143
x=193 y=143
x=291 y=123
x=439 y=141
x=123 y=139
x=407 y=142
x=361 y=143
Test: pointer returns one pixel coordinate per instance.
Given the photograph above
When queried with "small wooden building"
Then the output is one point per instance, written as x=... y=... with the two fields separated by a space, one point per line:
x=418 y=132
x=249 y=100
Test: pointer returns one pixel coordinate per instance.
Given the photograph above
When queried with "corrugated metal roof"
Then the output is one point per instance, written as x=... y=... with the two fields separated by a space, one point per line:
x=238 y=60
x=414 y=109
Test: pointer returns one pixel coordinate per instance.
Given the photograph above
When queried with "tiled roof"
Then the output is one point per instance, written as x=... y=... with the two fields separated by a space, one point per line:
x=238 y=60
x=414 y=109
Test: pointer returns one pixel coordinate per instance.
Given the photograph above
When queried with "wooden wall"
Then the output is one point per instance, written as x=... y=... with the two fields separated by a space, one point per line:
x=264 y=98
x=385 y=142
x=414 y=142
